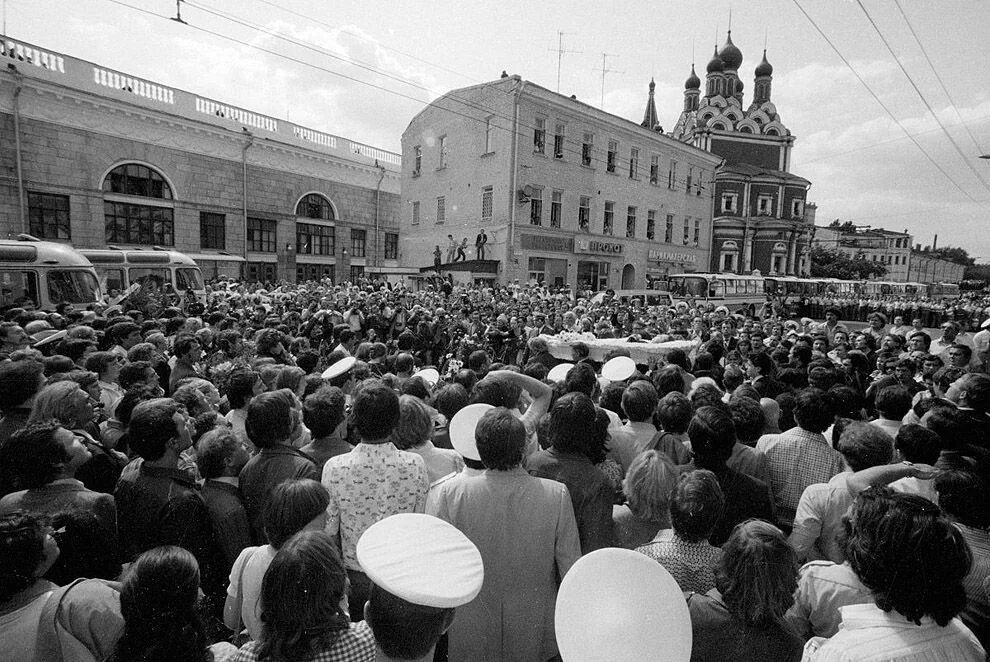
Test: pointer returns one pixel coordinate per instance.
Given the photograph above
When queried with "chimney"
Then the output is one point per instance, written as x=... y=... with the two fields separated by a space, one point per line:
x=935 y=242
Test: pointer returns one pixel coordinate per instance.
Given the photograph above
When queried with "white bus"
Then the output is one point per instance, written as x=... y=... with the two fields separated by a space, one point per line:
x=155 y=270
x=736 y=292
x=45 y=274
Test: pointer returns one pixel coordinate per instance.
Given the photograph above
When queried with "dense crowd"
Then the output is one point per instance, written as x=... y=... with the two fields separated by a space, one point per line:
x=360 y=472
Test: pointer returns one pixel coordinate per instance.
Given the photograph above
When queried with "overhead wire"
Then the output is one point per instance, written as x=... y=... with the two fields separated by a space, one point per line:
x=883 y=105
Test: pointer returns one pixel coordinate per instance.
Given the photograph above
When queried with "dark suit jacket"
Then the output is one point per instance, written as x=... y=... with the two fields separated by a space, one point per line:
x=262 y=473
x=67 y=495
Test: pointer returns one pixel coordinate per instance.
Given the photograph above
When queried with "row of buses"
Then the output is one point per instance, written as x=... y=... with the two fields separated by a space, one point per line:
x=46 y=274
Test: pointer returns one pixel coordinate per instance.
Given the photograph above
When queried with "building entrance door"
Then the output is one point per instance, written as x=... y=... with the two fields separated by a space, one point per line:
x=592 y=276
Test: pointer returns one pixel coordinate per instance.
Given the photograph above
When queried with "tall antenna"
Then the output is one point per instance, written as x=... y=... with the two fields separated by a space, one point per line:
x=606 y=70
x=730 y=18
x=560 y=53
x=178 y=12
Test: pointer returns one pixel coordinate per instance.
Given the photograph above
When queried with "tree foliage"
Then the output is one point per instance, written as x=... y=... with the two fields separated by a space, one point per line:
x=953 y=254
x=846 y=226
x=827 y=263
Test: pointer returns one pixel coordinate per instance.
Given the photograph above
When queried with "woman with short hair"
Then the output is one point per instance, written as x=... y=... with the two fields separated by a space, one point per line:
x=647 y=487
x=413 y=434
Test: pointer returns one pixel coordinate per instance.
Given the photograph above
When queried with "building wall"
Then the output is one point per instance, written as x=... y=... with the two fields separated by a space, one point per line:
x=765 y=155
x=926 y=269
x=892 y=249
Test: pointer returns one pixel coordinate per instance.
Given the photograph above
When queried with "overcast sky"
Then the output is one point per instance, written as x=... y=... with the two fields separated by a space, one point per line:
x=862 y=166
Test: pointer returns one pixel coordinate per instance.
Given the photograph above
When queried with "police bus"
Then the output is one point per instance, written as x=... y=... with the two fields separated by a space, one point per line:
x=44 y=274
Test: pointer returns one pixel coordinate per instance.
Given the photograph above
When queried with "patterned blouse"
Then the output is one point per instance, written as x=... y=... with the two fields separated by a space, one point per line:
x=354 y=645
x=692 y=564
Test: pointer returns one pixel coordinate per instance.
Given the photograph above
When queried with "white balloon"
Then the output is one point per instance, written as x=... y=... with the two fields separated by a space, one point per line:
x=617 y=605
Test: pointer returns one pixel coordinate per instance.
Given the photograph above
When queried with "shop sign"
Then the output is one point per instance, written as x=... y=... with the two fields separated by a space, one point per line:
x=542 y=242
x=595 y=246
x=673 y=256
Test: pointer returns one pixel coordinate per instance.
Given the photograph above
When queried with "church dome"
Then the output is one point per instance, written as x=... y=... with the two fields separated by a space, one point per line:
x=693 y=82
x=715 y=65
x=730 y=55
x=764 y=68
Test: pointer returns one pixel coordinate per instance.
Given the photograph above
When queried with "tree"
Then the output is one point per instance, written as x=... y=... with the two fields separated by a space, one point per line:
x=954 y=254
x=827 y=263
x=846 y=226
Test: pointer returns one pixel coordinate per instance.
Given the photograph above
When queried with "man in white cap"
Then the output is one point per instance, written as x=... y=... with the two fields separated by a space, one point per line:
x=527 y=534
x=421 y=569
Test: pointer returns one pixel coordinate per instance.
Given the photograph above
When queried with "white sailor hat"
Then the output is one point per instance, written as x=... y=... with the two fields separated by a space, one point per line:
x=339 y=368
x=421 y=559
x=558 y=373
x=618 y=368
x=461 y=429
x=47 y=337
x=429 y=375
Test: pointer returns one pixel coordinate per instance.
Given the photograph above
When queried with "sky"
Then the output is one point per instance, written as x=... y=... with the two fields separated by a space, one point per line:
x=363 y=69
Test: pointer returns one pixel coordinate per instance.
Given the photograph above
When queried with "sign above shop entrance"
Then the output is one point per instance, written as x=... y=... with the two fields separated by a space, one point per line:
x=541 y=242
x=673 y=256
x=595 y=246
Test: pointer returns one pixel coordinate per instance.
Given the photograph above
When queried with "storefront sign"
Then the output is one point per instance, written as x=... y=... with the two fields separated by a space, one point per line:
x=672 y=256
x=595 y=246
x=541 y=242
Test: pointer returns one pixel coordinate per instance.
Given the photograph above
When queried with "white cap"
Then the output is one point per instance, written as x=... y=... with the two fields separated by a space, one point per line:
x=429 y=375
x=339 y=368
x=618 y=583
x=986 y=323
x=619 y=368
x=48 y=338
x=461 y=429
x=558 y=373
x=421 y=559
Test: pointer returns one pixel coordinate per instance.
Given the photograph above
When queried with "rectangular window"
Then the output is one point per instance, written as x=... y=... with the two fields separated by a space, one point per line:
x=261 y=235
x=651 y=224
x=668 y=232
x=690 y=179
x=126 y=223
x=536 y=209
x=489 y=135
x=698 y=181
x=654 y=169
x=442 y=155
x=441 y=209
x=487 y=195
x=415 y=212
x=586 y=146
x=391 y=246
x=608 y=218
x=358 y=240
x=729 y=203
x=687 y=230
x=212 y=230
x=417 y=160
x=537 y=269
x=558 y=141
x=631 y=222
x=584 y=213
x=261 y=271
x=697 y=231
x=49 y=216
x=540 y=136
x=357 y=272
x=610 y=157
x=764 y=205
x=633 y=163
x=797 y=211
x=313 y=239
x=556 y=208
x=672 y=175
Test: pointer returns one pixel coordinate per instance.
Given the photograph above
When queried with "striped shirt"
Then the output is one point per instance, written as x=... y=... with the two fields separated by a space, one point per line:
x=796 y=459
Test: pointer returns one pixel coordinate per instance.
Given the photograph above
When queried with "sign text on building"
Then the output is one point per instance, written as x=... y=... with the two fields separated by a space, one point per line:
x=541 y=242
x=595 y=246
x=673 y=256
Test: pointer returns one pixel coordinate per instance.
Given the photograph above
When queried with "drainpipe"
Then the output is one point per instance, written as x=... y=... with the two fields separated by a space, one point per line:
x=512 y=193
x=244 y=201
x=19 y=78
x=377 y=259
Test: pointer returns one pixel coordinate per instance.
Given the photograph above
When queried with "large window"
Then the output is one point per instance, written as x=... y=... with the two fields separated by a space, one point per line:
x=586 y=147
x=687 y=231
x=672 y=175
x=260 y=271
x=442 y=153
x=540 y=136
x=489 y=135
x=48 y=215
x=313 y=239
x=487 y=195
x=668 y=232
x=137 y=207
x=358 y=241
x=584 y=213
x=415 y=212
x=608 y=218
x=611 y=155
x=391 y=246
x=357 y=272
x=315 y=206
x=631 y=222
x=558 y=141
x=633 y=163
x=417 y=160
x=697 y=231
x=536 y=209
x=654 y=169
x=261 y=235
x=651 y=224
x=441 y=209
x=537 y=269
x=212 y=230
x=556 y=208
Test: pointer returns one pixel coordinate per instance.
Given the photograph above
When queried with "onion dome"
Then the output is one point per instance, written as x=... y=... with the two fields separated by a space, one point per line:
x=693 y=82
x=764 y=68
x=715 y=65
x=730 y=55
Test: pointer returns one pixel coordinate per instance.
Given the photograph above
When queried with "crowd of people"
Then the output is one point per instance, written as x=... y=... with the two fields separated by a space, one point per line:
x=367 y=472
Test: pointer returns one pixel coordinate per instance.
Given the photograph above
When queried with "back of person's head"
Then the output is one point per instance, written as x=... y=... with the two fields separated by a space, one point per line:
x=404 y=362
x=763 y=362
x=214 y=450
x=416 y=387
x=913 y=560
x=757 y=575
x=537 y=371
x=893 y=402
x=572 y=423
x=822 y=377
x=403 y=630
x=696 y=505
x=301 y=597
x=33 y=456
x=294 y=503
x=581 y=379
x=676 y=357
x=746 y=391
x=477 y=360
x=963 y=495
x=705 y=394
x=307 y=360
x=240 y=386
x=497 y=392
x=19 y=382
x=87 y=548
x=977 y=389
x=647 y=485
x=611 y=397
x=133 y=373
x=450 y=399
x=153 y=426
x=712 y=434
x=793 y=378
x=501 y=439
x=668 y=379
x=674 y=413
x=99 y=362
x=748 y=419
x=639 y=401
x=269 y=418
x=183 y=344
x=289 y=377
x=845 y=401
x=864 y=446
x=918 y=444
x=415 y=423
x=22 y=551
x=949 y=424
x=811 y=410
x=466 y=378
x=732 y=377
x=323 y=411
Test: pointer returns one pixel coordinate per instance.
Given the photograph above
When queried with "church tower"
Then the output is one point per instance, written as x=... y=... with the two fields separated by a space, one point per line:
x=764 y=76
x=650 y=118
x=692 y=90
x=714 y=77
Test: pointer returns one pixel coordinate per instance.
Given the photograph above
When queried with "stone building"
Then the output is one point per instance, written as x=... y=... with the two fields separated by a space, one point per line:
x=892 y=249
x=96 y=157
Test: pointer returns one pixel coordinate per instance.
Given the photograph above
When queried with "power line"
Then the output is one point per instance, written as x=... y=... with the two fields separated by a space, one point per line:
x=962 y=155
x=882 y=104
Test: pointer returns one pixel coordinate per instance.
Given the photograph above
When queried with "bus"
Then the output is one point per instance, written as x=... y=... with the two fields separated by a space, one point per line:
x=155 y=270
x=45 y=274
x=638 y=297
x=892 y=288
x=943 y=290
x=734 y=291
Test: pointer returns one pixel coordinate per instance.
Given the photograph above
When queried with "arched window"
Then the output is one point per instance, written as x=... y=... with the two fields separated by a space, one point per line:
x=137 y=206
x=315 y=206
x=772 y=132
x=745 y=129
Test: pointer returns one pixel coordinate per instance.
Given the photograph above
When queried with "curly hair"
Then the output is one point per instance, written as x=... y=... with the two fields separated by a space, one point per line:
x=696 y=505
x=33 y=456
x=22 y=547
x=757 y=576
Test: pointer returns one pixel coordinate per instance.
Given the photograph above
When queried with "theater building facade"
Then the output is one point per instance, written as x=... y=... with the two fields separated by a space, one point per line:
x=95 y=157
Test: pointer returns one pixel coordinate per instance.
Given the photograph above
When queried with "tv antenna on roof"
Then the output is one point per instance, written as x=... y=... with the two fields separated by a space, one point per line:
x=606 y=70
x=178 y=12
x=560 y=53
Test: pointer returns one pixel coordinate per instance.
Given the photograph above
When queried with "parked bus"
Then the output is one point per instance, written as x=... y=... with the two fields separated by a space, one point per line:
x=45 y=274
x=736 y=292
x=943 y=290
x=154 y=270
x=643 y=297
x=892 y=288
